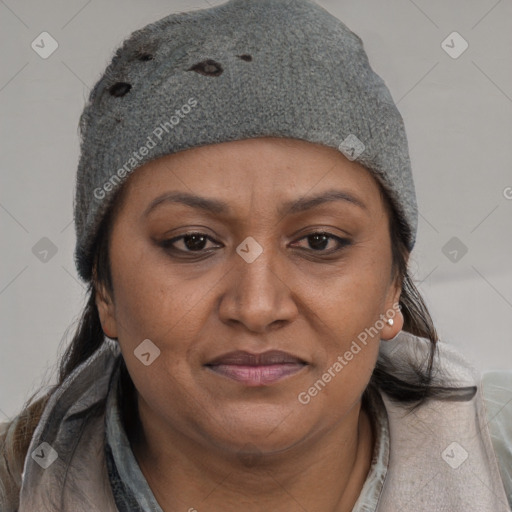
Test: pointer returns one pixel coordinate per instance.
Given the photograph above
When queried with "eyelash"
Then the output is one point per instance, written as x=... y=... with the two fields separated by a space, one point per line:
x=168 y=244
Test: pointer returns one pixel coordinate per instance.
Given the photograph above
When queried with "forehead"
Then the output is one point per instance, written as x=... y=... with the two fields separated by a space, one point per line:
x=263 y=170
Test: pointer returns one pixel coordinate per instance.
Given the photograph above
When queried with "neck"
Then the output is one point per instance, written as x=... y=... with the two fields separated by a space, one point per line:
x=326 y=472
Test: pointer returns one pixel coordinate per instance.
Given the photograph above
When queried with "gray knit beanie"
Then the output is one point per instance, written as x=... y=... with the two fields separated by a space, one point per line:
x=243 y=69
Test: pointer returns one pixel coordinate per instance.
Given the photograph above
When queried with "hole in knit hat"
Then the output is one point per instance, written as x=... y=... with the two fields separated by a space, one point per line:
x=207 y=67
x=245 y=57
x=145 y=56
x=119 y=89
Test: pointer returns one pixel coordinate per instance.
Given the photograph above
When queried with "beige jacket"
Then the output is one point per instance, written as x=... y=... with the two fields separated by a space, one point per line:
x=441 y=458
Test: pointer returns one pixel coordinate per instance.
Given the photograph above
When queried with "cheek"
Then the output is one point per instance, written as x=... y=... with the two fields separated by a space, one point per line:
x=350 y=345
x=349 y=306
x=149 y=300
x=165 y=304
x=353 y=295
x=338 y=388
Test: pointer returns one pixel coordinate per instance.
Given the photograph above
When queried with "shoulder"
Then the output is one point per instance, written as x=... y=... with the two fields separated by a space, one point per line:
x=10 y=474
x=497 y=395
x=15 y=437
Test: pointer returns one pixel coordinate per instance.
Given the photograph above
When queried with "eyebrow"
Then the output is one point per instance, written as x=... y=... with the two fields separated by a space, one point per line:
x=218 y=207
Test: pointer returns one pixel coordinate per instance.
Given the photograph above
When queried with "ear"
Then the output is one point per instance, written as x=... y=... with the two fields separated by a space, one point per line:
x=392 y=311
x=106 y=309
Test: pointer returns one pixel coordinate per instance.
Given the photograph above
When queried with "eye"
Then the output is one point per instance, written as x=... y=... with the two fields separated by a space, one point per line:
x=195 y=242
x=319 y=240
x=191 y=242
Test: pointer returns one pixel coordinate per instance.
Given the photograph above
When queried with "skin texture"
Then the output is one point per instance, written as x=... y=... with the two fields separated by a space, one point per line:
x=209 y=442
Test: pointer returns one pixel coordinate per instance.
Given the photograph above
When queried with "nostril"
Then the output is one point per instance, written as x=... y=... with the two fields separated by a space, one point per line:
x=245 y=57
x=119 y=89
x=207 y=67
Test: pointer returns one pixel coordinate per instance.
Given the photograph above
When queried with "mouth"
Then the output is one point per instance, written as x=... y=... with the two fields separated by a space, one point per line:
x=257 y=369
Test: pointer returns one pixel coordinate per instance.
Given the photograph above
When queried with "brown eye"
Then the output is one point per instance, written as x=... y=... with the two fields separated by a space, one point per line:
x=192 y=242
x=319 y=241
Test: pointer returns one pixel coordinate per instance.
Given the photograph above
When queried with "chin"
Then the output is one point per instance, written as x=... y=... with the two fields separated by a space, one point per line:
x=258 y=434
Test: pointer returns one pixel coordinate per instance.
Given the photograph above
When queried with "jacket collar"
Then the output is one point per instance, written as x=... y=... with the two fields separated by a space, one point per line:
x=66 y=468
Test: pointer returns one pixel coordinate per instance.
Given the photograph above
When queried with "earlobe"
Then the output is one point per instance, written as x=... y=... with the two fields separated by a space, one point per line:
x=393 y=325
x=393 y=317
x=106 y=311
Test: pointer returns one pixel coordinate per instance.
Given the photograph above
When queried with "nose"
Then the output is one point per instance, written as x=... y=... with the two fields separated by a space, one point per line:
x=258 y=295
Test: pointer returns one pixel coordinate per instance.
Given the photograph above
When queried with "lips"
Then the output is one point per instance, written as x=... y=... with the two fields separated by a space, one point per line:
x=270 y=357
x=256 y=369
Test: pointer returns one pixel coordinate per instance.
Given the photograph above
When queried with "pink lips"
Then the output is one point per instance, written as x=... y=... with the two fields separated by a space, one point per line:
x=256 y=369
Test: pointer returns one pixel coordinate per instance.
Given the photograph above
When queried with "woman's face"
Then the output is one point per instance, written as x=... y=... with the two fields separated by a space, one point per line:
x=255 y=279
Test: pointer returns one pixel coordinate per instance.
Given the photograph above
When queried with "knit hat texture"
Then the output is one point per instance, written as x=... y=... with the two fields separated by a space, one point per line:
x=242 y=69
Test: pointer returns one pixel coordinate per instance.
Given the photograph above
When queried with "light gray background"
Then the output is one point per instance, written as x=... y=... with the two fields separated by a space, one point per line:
x=457 y=112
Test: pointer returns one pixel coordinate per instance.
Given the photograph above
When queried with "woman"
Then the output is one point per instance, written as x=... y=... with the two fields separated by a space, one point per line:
x=245 y=211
